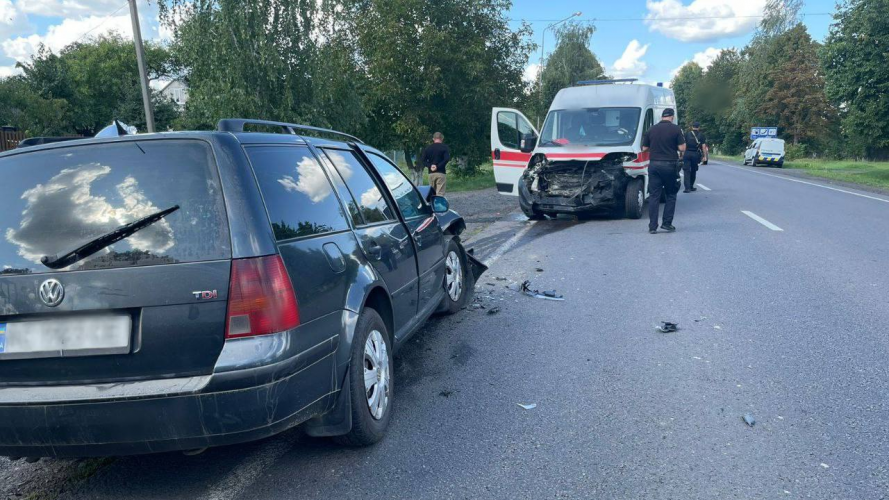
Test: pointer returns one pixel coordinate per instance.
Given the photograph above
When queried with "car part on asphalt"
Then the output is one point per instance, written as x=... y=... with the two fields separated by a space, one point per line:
x=749 y=420
x=537 y=294
x=668 y=327
x=529 y=406
x=494 y=310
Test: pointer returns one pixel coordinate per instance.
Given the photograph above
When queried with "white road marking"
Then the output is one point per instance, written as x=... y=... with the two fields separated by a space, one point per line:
x=853 y=193
x=761 y=220
x=508 y=244
x=705 y=188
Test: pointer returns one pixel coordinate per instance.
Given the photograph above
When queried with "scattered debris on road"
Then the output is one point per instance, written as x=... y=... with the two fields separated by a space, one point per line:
x=749 y=420
x=667 y=327
x=717 y=327
x=499 y=278
x=825 y=466
x=529 y=406
x=537 y=294
x=446 y=393
x=494 y=310
x=539 y=269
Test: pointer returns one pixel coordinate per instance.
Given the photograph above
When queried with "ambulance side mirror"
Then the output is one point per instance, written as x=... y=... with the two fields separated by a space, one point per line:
x=529 y=142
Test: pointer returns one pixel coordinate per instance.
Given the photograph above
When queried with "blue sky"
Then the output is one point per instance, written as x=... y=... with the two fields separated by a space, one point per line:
x=627 y=45
x=688 y=28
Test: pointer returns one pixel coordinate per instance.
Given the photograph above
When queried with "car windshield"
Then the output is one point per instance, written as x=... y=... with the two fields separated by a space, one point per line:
x=591 y=127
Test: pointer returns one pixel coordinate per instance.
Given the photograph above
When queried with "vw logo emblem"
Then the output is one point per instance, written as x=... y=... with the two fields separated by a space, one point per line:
x=52 y=292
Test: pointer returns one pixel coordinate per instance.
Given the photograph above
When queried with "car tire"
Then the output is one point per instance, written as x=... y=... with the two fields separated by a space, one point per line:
x=371 y=353
x=634 y=199
x=457 y=280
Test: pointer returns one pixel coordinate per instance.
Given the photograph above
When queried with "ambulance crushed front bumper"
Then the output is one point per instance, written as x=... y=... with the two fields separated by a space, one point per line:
x=573 y=186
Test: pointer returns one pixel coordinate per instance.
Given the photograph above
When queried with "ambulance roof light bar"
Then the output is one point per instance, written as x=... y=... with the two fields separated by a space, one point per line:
x=607 y=82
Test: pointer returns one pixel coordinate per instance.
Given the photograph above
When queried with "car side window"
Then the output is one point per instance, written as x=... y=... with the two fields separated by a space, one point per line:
x=507 y=129
x=410 y=202
x=298 y=196
x=369 y=198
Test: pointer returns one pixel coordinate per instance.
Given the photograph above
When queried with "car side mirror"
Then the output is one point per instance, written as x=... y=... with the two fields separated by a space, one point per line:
x=529 y=142
x=440 y=204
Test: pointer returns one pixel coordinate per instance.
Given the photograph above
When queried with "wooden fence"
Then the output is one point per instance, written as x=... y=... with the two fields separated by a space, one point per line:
x=10 y=139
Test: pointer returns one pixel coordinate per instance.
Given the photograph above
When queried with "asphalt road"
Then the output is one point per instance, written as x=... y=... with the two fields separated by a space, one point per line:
x=789 y=326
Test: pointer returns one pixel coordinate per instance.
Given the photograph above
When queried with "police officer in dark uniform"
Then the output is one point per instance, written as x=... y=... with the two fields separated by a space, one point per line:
x=665 y=141
x=695 y=143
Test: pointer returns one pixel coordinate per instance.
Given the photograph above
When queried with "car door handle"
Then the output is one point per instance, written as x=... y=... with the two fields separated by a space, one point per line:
x=496 y=154
x=373 y=250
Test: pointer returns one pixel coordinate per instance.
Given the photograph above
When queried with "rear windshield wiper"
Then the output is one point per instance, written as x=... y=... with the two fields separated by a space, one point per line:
x=104 y=241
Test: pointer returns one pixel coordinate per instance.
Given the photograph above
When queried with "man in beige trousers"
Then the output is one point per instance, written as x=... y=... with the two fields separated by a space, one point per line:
x=435 y=158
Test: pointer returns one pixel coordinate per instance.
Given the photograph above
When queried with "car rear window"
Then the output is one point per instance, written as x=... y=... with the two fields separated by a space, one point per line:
x=53 y=202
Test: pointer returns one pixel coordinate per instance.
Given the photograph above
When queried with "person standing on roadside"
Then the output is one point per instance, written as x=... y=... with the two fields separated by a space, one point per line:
x=665 y=141
x=435 y=158
x=696 y=144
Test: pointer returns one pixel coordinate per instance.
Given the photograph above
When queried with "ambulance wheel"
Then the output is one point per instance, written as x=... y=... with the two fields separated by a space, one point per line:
x=635 y=199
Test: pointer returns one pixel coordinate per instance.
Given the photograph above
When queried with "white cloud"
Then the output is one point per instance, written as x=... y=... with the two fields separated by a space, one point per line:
x=630 y=64
x=58 y=36
x=12 y=20
x=703 y=59
x=67 y=8
x=703 y=20
x=7 y=71
x=531 y=72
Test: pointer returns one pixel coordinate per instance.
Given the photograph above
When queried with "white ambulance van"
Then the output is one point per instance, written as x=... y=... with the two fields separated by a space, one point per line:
x=588 y=158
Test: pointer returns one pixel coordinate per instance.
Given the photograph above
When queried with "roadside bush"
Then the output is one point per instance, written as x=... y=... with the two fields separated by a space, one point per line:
x=796 y=152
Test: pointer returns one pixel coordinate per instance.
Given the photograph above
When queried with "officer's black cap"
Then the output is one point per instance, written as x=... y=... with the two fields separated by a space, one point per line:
x=668 y=113
x=696 y=125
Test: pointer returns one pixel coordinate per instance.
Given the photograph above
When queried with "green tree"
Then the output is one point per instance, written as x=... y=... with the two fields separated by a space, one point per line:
x=29 y=112
x=712 y=102
x=572 y=61
x=244 y=59
x=797 y=95
x=855 y=59
x=437 y=65
x=99 y=81
x=759 y=59
x=683 y=85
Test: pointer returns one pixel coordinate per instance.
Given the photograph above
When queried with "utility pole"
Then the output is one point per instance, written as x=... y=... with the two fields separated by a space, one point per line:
x=143 y=75
x=542 y=51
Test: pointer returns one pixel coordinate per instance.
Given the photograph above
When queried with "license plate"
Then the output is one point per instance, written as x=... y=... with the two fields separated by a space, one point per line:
x=66 y=337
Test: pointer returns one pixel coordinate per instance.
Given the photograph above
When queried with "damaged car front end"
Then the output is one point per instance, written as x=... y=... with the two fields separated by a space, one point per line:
x=574 y=186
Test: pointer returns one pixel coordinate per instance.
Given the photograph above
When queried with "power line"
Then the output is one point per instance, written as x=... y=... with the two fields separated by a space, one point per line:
x=655 y=19
x=104 y=20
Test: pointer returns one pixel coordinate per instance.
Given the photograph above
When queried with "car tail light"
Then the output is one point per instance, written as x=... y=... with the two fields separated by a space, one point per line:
x=261 y=300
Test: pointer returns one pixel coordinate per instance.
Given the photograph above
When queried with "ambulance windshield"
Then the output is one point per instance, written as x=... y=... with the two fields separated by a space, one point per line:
x=590 y=127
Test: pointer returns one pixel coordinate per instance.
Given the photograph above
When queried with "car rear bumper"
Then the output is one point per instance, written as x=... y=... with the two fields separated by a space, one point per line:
x=232 y=406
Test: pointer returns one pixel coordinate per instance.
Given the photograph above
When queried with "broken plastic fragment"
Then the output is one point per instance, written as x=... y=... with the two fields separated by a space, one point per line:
x=667 y=327
x=547 y=295
x=749 y=420
x=493 y=310
x=529 y=406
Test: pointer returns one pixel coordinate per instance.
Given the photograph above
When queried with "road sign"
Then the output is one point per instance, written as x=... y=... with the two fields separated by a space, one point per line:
x=763 y=132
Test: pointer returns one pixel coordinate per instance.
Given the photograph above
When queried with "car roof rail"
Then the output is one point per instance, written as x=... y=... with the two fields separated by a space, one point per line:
x=237 y=125
x=606 y=82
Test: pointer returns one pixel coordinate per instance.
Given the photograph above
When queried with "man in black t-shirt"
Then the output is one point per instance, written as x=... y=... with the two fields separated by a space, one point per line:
x=695 y=143
x=665 y=141
x=435 y=158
